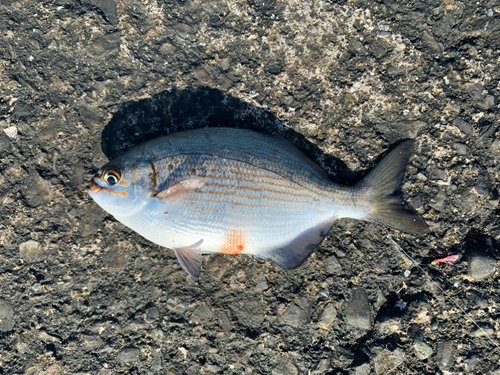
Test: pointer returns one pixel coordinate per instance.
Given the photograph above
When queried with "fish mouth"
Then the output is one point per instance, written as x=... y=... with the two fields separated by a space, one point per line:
x=94 y=186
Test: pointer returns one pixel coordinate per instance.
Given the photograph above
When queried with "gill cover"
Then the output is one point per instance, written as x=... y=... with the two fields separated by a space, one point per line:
x=122 y=189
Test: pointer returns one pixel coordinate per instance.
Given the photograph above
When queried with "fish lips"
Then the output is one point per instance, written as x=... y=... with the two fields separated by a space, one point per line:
x=94 y=187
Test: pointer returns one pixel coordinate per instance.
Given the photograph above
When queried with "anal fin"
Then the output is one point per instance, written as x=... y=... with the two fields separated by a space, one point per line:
x=295 y=253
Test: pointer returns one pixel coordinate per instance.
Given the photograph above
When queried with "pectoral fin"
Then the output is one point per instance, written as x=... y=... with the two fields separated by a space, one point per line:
x=190 y=259
x=295 y=253
x=179 y=188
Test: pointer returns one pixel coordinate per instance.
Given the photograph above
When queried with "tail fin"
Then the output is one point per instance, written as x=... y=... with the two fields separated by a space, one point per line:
x=383 y=191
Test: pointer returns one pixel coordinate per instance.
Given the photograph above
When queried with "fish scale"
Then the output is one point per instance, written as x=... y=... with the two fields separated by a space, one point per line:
x=234 y=191
x=244 y=197
x=267 y=198
x=240 y=203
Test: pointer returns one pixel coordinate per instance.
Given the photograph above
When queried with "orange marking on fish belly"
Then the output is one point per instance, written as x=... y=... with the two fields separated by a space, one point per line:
x=234 y=243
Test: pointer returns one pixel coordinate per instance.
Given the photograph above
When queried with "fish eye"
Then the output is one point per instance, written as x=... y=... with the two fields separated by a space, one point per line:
x=112 y=176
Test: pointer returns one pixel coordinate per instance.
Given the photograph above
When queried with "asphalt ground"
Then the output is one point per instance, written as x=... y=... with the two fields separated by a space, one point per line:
x=81 y=82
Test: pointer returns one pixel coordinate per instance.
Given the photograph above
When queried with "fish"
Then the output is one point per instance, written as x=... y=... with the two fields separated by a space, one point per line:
x=238 y=191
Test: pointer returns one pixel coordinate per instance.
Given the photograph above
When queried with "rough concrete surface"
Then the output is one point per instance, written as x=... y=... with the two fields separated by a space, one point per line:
x=82 y=81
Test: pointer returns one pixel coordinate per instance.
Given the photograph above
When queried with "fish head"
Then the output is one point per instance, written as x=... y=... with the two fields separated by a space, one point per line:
x=123 y=188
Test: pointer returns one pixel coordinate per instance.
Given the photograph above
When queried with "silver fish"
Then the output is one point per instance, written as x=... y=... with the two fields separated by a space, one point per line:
x=233 y=191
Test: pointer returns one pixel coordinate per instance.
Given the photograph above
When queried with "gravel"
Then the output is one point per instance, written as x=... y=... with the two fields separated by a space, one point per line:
x=81 y=82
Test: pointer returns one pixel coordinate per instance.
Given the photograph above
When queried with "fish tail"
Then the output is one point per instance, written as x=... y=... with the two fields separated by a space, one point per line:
x=382 y=187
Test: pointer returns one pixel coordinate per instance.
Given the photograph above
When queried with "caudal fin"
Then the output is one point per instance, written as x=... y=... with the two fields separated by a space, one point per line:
x=383 y=191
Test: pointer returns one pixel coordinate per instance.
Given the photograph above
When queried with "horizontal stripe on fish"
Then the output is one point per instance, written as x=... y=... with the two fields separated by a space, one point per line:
x=253 y=198
x=265 y=186
x=251 y=178
x=208 y=204
x=266 y=191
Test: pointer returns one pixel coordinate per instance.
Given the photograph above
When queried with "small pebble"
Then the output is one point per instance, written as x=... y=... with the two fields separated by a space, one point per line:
x=201 y=315
x=488 y=102
x=481 y=185
x=297 y=313
x=416 y=202
x=30 y=250
x=182 y=30
x=322 y=367
x=202 y=75
x=434 y=324
x=340 y=253
x=7 y=320
x=460 y=148
x=463 y=126
x=327 y=316
x=445 y=356
x=114 y=259
x=478 y=299
x=261 y=283
x=482 y=332
x=128 y=355
x=173 y=304
x=473 y=364
x=38 y=191
x=382 y=264
x=387 y=361
x=152 y=314
x=324 y=292
x=364 y=369
x=333 y=264
x=357 y=310
x=11 y=132
x=285 y=369
x=225 y=64
x=481 y=265
x=53 y=369
x=158 y=334
x=421 y=177
x=224 y=322
x=422 y=350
